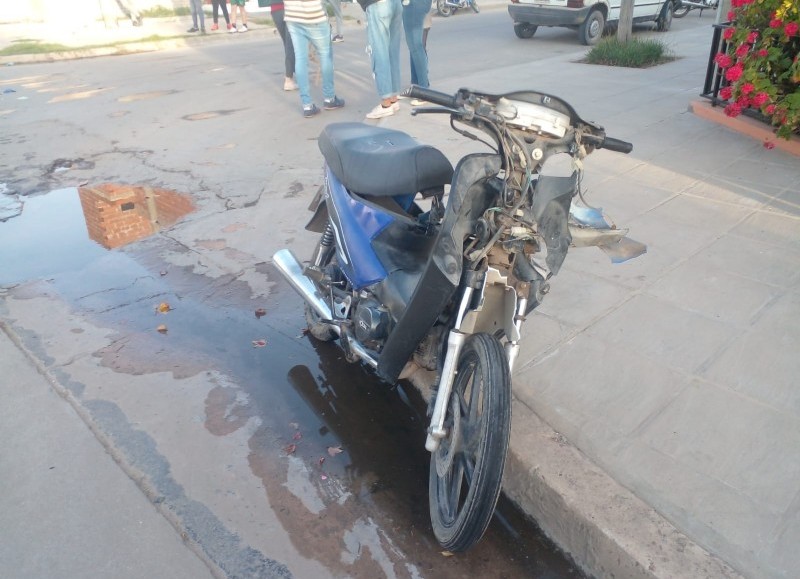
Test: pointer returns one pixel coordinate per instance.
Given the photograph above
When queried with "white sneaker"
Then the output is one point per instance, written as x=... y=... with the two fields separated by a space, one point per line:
x=289 y=84
x=395 y=106
x=418 y=102
x=380 y=111
x=233 y=29
x=243 y=28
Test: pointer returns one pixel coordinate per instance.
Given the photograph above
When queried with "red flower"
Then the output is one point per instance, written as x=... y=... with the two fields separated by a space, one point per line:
x=775 y=23
x=742 y=50
x=747 y=88
x=763 y=53
x=729 y=32
x=733 y=110
x=723 y=60
x=734 y=72
x=769 y=145
x=731 y=16
x=725 y=92
x=743 y=102
x=752 y=37
x=770 y=109
x=759 y=100
x=791 y=28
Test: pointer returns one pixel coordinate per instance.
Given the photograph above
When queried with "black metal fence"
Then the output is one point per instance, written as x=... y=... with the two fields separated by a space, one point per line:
x=715 y=76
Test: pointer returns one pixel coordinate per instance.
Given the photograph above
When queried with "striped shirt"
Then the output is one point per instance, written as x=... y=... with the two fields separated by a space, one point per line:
x=304 y=11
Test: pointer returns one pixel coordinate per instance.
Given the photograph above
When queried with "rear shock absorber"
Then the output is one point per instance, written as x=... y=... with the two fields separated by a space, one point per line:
x=325 y=247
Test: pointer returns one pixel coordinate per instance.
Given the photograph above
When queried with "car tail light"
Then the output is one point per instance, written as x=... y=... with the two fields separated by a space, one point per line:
x=573 y=3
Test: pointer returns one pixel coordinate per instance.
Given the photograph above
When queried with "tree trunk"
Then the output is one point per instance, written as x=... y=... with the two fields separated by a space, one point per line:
x=625 y=28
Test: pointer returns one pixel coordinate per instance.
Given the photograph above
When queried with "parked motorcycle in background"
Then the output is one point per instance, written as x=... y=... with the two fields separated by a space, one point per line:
x=447 y=7
x=423 y=266
x=683 y=7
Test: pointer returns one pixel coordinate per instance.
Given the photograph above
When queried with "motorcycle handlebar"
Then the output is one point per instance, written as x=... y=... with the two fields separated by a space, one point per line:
x=432 y=96
x=610 y=143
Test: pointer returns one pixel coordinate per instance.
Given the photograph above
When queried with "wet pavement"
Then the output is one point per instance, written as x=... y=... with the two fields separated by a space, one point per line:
x=339 y=455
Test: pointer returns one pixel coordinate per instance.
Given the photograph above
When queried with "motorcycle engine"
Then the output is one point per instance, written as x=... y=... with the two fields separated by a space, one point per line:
x=371 y=323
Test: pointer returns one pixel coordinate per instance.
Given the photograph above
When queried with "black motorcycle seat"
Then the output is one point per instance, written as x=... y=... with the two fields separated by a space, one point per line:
x=382 y=162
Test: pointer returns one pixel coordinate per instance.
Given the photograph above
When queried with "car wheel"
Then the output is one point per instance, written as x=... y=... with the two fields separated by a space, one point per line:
x=524 y=29
x=664 y=21
x=591 y=30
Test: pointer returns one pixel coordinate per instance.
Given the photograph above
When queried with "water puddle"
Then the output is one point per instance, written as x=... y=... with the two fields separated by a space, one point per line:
x=67 y=229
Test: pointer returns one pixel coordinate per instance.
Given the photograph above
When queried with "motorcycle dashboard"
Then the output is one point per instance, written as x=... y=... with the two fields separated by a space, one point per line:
x=534 y=111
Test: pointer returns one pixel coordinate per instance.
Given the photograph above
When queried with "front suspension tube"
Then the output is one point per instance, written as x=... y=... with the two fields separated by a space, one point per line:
x=455 y=341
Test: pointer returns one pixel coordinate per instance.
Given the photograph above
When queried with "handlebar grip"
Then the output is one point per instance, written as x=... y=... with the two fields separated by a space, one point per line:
x=617 y=145
x=432 y=96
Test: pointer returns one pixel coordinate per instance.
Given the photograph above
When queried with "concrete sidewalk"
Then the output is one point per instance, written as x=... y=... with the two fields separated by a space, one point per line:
x=656 y=417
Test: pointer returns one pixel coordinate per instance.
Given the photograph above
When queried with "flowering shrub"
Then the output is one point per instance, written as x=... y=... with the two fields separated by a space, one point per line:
x=761 y=65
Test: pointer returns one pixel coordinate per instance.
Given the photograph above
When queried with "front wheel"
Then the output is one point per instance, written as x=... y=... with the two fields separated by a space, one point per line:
x=443 y=8
x=591 y=30
x=467 y=469
x=525 y=29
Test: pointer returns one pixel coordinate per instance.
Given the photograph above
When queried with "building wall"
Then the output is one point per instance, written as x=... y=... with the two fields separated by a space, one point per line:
x=75 y=10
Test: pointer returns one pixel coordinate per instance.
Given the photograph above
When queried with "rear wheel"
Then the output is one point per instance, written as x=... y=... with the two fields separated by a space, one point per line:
x=467 y=468
x=443 y=9
x=525 y=29
x=591 y=30
x=681 y=10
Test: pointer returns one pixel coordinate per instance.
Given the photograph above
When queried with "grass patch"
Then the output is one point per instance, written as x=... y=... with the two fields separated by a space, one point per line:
x=35 y=47
x=32 y=47
x=635 y=53
x=162 y=12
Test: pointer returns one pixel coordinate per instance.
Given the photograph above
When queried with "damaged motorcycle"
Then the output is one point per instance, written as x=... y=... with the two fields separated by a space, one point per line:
x=422 y=265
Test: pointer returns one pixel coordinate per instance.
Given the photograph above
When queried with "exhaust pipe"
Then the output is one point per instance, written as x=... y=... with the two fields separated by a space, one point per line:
x=291 y=269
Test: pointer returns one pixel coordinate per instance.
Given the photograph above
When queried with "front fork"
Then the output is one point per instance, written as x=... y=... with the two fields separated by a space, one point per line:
x=455 y=341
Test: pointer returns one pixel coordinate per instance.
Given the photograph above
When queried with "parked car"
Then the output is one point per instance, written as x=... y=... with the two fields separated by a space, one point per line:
x=589 y=17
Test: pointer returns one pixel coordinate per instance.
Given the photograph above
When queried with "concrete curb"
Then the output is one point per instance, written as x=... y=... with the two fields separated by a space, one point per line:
x=607 y=530
x=745 y=125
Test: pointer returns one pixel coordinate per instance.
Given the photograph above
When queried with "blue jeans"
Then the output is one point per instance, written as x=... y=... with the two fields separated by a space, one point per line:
x=320 y=36
x=413 y=19
x=384 y=30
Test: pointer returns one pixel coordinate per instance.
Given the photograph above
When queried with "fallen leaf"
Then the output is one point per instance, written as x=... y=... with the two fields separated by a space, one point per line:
x=334 y=450
x=294 y=425
x=259 y=343
x=323 y=477
x=447 y=554
x=162 y=272
x=162 y=328
x=321 y=460
x=261 y=312
x=163 y=308
x=290 y=449
x=297 y=436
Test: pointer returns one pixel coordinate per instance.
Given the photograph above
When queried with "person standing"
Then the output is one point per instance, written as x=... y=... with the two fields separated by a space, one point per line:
x=384 y=29
x=336 y=6
x=238 y=5
x=414 y=14
x=307 y=23
x=277 y=10
x=215 y=13
x=197 y=13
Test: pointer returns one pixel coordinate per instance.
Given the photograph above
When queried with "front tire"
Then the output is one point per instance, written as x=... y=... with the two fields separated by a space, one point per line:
x=443 y=9
x=664 y=22
x=525 y=29
x=467 y=469
x=591 y=30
